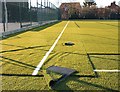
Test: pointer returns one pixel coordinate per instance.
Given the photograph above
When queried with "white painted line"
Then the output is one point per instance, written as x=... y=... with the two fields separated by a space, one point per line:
x=107 y=70
x=35 y=72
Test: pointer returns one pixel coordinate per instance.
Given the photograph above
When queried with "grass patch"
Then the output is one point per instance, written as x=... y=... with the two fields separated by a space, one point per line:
x=96 y=47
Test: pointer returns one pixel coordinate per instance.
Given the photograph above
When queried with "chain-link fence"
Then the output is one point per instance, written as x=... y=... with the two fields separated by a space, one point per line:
x=47 y=11
x=1 y=24
x=18 y=14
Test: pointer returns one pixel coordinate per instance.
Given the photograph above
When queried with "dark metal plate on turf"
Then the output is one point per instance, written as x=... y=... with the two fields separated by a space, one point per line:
x=69 y=44
x=60 y=70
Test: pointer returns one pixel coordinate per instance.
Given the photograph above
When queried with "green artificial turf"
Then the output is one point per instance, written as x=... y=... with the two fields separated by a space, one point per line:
x=96 y=47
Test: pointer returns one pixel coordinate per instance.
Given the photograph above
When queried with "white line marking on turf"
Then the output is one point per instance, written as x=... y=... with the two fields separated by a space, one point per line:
x=107 y=70
x=50 y=50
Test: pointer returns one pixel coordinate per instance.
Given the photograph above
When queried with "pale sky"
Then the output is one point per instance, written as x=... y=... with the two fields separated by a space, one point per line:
x=100 y=3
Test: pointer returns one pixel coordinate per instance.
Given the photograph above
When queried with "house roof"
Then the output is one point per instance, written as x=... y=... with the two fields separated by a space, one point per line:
x=72 y=4
x=113 y=5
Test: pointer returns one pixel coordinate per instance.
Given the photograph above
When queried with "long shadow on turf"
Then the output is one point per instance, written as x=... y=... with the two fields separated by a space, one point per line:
x=12 y=45
x=105 y=58
x=104 y=54
x=18 y=62
x=21 y=64
x=93 y=66
x=100 y=37
x=63 y=86
x=34 y=30
x=77 y=25
x=108 y=24
x=96 y=53
x=26 y=48
x=21 y=75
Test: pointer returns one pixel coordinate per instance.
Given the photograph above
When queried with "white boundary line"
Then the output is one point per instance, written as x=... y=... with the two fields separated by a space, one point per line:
x=106 y=70
x=35 y=72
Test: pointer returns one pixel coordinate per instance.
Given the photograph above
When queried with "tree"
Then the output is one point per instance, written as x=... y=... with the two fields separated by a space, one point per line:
x=89 y=13
x=89 y=3
x=89 y=9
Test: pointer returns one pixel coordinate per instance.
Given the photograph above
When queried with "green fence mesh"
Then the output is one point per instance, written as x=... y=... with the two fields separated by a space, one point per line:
x=24 y=13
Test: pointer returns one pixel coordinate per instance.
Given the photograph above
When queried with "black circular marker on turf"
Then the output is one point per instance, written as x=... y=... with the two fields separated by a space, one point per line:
x=69 y=44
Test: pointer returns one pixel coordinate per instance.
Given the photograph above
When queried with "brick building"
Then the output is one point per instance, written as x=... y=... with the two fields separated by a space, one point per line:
x=70 y=10
x=114 y=7
x=109 y=12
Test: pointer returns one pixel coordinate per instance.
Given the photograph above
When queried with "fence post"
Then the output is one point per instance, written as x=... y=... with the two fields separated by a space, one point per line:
x=3 y=16
x=41 y=14
x=37 y=10
x=30 y=14
x=6 y=15
x=20 y=16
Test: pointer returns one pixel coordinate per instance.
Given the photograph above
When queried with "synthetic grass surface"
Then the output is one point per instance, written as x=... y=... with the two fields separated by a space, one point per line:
x=96 y=47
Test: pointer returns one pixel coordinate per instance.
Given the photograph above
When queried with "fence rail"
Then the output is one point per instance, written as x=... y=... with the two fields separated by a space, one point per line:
x=25 y=14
